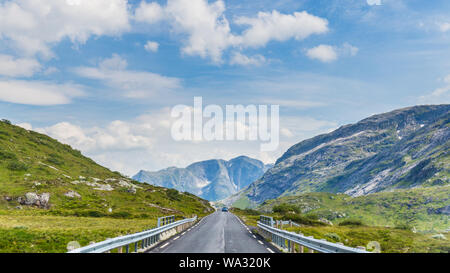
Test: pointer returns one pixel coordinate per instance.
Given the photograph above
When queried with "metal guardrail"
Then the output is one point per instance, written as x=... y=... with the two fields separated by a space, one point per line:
x=146 y=238
x=280 y=237
x=162 y=221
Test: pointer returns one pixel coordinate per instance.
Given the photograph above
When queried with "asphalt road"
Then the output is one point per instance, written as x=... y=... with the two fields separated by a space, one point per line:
x=220 y=232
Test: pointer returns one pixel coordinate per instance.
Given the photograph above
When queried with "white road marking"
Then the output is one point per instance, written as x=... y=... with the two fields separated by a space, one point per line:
x=270 y=250
x=254 y=236
x=183 y=233
x=176 y=238
x=163 y=246
x=260 y=242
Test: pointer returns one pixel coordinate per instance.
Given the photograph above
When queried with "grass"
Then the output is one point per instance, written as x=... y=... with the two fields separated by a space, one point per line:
x=41 y=234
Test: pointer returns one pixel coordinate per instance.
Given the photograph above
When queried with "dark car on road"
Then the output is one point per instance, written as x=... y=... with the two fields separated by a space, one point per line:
x=224 y=209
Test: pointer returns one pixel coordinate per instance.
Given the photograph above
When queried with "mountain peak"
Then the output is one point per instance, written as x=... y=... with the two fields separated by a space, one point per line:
x=212 y=179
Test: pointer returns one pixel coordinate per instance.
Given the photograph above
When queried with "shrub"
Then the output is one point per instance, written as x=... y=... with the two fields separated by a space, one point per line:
x=252 y=212
x=121 y=215
x=90 y=213
x=333 y=236
x=173 y=195
x=7 y=155
x=351 y=223
x=55 y=160
x=17 y=166
x=285 y=208
x=302 y=220
x=403 y=226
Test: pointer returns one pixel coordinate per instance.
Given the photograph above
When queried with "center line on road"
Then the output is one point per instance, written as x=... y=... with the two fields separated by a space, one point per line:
x=270 y=250
x=260 y=242
x=164 y=245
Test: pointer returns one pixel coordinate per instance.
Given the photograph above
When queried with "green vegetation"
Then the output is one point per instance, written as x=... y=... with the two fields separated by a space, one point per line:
x=354 y=233
x=87 y=201
x=414 y=208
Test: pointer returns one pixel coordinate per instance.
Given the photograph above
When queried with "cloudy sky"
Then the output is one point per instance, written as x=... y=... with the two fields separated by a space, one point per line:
x=103 y=75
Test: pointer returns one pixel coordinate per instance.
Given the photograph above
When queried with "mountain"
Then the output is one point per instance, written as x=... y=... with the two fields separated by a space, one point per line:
x=212 y=179
x=402 y=149
x=38 y=173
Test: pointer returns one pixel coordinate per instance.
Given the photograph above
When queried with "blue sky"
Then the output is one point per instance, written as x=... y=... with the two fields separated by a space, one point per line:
x=102 y=75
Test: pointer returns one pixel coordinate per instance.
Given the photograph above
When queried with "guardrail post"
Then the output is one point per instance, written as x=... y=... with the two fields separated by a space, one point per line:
x=301 y=249
x=127 y=249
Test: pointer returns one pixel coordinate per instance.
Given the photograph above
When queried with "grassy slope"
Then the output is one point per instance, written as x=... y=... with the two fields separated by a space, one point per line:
x=401 y=207
x=32 y=162
x=391 y=240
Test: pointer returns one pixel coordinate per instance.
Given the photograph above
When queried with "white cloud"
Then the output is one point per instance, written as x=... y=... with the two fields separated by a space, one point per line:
x=374 y=2
x=280 y=27
x=132 y=84
x=149 y=12
x=25 y=126
x=32 y=26
x=241 y=59
x=348 y=49
x=444 y=27
x=323 y=53
x=16 y=67
x=440 y=95
x=294 y=103
x=37 y=92
x=117 y=135
x=151 y=46
x=208 y=33
x=208 y=30
x=327 y=53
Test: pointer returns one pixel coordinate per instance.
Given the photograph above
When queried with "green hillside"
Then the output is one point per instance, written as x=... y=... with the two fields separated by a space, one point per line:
x=422 y=209
x=50 y=194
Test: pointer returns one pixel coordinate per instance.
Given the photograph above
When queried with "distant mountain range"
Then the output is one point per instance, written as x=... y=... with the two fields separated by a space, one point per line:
x=405 y=148
x=212 y=179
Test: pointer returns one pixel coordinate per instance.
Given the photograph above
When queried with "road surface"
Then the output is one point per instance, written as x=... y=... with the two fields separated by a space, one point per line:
x=220 y=232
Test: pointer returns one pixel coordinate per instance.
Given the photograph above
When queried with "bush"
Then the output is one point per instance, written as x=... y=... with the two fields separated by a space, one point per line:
x=333 y=236
x=17 y=166
x=7 y=155
x=173 y=195
x=302 y=220
x=252 y=212
x=351 y=223
x=55 y=160
x=285 y=208
x=121 y=215
x=90 y=213
x=403 y=226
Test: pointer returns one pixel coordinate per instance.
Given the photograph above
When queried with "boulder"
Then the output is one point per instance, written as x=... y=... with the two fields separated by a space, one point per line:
x=36 y=200
x=439 y=237
x=72 y=194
